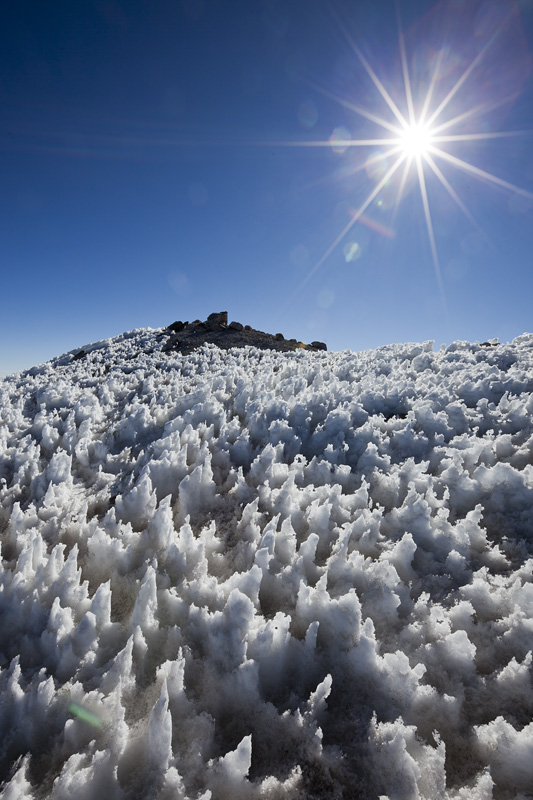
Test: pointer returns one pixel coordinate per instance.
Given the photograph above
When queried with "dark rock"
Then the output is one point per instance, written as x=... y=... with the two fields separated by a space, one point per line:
x=236 y=326
x=176 y=326
x=211 y=325
x=280 y=337
x=488 y=344
x=319 y=345
x=247 y=327
x=79 y=354
x=221 y=317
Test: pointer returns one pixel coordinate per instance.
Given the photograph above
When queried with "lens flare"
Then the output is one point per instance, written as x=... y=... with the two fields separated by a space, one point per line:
x=352 y=251
x=340 y=139
x=85 y=715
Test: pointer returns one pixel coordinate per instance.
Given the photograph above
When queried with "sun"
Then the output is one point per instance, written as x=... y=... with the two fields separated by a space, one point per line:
x=416 y=140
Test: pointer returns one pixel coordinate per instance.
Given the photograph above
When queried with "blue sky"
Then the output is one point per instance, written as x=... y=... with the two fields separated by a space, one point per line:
x=157 y=165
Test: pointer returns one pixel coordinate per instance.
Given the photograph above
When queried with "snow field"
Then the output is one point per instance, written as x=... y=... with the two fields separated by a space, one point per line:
x=252 y=574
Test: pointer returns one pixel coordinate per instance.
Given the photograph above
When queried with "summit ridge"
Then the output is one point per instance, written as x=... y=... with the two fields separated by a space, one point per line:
x=185 y=337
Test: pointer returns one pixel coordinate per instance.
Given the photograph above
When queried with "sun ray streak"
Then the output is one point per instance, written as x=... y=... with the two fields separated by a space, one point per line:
x=431 y=88
x=482 y=108
x=379 y=86
x=472 y=137
x=429 y=225
x=355 y=168
x=369 y=71
x=405 y=70
x=466 y=74
x=375 y=159
x=451 y=191
x=481 y=174
x=401 y=188
x=362 y=208
x=334 y=143
x=357 y=109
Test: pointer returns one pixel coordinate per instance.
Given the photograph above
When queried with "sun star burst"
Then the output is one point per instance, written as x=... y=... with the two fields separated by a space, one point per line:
x=413 y=142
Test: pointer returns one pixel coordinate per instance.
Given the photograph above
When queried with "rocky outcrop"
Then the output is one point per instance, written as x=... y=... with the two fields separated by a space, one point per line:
x=220 y=317
x=184 y=337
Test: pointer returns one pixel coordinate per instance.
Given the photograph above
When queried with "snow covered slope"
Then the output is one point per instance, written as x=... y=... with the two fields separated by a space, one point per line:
x=251 y=574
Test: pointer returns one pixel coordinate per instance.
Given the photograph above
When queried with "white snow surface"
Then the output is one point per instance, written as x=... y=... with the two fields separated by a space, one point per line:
x=250 y=574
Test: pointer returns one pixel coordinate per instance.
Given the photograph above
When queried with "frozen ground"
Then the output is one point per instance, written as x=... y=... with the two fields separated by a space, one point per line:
x=250 y=574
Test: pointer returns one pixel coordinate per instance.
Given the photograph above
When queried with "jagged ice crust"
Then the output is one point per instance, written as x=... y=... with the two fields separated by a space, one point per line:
x=249 y=574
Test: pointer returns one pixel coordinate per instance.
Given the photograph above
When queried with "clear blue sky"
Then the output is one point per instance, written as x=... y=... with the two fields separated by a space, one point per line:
x=146 y=175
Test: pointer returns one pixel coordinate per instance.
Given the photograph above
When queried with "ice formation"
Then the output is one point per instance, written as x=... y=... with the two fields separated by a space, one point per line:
x=248 y=574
